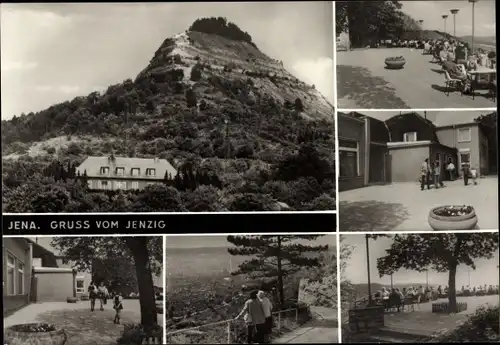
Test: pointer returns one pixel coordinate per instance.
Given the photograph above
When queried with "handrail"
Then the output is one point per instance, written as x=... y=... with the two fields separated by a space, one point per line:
x=229 y=322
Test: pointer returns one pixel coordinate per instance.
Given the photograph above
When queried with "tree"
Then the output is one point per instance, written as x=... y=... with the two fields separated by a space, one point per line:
x=191 y=98
x=275 y=256
x=147 y=254
x=158 y=198
x=440 y=252
x=299 y=106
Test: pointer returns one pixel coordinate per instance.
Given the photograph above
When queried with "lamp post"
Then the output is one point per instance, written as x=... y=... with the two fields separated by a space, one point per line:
x=454 y=12
x=427 y=278
x=392 y=285
x=368 y=270
x=421 y=28
x=444 y=16
x=473 y=2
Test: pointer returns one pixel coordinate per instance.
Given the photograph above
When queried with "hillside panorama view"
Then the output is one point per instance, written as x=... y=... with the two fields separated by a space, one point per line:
x=210 y=280
x=203 y=120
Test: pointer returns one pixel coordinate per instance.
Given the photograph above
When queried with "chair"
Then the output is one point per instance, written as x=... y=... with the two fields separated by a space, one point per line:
x=493 y=89
x=450 y=82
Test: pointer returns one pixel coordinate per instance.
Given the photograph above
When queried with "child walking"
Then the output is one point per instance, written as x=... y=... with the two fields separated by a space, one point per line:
x=117 y=306
x=474 y=173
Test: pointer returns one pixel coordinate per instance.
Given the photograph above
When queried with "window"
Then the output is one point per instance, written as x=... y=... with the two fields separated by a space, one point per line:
x=11 y=267
x=410 y=137
x=120 y=171
x=135 y=185
x=120 y=185
x=135 y=172
x=150 y=172
x=80 y=285
x=20 y=278
x=348 y=158
x=103 y=185
x=464 y=158
x=104 y=171
x=464 y=135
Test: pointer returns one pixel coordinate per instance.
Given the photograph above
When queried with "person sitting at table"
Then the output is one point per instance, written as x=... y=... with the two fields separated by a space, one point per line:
x=456 y=72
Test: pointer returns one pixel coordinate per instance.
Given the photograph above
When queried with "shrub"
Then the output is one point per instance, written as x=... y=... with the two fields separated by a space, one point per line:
x=298 y=105
x=51 y=150
x=135 y=335
x=482 y=326
x=196 y=72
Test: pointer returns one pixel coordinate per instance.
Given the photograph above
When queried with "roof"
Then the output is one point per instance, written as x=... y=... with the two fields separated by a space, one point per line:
x=450 y=118
x=92 y=165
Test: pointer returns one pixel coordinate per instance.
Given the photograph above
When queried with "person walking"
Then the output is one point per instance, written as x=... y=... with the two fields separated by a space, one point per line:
x=438 y=181
x=268 y=308
x=255 y=320
x=451 y=170
x=424 y=175
x=103 y=295
x=475 y=174
x=92 y=290
x=466 y=172
x=117 y=306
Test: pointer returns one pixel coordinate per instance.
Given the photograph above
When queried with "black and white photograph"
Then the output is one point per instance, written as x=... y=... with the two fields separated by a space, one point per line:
x=83 y=290
x=251 y=289
x=420 y=288
x=168 y=107
x=416 y=54
x=418 y=171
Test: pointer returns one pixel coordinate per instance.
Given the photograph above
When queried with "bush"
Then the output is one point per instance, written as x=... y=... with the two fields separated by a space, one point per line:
x=135 y=335
x=482 y=326
x=51 y=150
x=196 y=72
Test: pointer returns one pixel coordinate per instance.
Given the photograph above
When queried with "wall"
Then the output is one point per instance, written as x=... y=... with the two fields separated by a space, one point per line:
x=54 y=286
x=406 y=162
x=87 y=277
x=377 y=164
x=449 y=136
x=352 y=129
x=20 y=248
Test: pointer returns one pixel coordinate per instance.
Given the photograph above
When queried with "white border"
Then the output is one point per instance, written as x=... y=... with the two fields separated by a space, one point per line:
x=164 y=268
x=414 y=110
x=163 y=213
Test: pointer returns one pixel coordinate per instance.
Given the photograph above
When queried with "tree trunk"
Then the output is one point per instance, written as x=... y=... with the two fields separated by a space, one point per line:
x=280 y=275
x=147 y=300
x=452 y=291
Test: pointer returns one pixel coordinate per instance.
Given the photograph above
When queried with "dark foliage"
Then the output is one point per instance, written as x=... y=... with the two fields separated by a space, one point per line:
x=220 y=26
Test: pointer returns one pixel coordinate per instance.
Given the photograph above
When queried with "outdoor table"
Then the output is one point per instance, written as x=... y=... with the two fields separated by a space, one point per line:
x=476 y=75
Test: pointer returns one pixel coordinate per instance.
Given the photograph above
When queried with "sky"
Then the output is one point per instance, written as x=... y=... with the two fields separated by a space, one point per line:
x=431 y=11
x=54 y=52
x=486 y=271
x=221 y=241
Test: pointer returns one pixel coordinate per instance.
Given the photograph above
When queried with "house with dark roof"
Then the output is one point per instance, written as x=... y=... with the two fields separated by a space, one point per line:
x=372 y=151
x=124 y=173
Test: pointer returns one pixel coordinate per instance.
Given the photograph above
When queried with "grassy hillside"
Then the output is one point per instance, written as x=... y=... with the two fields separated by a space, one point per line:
x=210 y=102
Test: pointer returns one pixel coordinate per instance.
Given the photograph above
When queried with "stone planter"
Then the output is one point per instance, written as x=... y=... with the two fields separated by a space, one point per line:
x=443 y=307
x=34 y=334
x=392 y=63
x=71 y=299
x=366 y=319
x=458 y=221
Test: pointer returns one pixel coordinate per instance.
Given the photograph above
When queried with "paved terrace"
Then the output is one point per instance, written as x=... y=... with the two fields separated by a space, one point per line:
x=404 y=207
x=423 y=322
x=363 y=82
x=83 y=327
x=323 y=328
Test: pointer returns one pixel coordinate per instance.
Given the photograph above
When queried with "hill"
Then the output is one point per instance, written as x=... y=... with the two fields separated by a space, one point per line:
x=209 y=100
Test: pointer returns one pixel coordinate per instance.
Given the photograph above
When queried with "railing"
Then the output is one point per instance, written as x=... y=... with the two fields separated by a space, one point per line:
x=230 y=326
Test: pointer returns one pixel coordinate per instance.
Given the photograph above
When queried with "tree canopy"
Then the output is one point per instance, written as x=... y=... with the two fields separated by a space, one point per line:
x=439 y=252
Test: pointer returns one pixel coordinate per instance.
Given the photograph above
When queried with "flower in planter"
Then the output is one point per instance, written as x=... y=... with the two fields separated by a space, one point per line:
x=34 y=327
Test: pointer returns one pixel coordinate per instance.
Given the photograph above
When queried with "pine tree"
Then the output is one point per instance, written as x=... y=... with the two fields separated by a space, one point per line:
x=178 y=181
x=275 y=256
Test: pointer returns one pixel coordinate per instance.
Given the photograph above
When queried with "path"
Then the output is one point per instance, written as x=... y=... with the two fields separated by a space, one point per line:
x=403 y=207
x=82 y=326
x=323 y=328
x=363 y=82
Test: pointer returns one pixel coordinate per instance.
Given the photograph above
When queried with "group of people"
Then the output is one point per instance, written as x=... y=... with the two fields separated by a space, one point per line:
x=257 y=314
x=480 y=290
x=430 y=173
x=102 y=294
x=387 y=296
x=455 y=60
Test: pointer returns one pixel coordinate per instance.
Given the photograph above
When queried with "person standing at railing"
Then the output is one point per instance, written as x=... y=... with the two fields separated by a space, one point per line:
x=253 y=312
x=268 y=314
